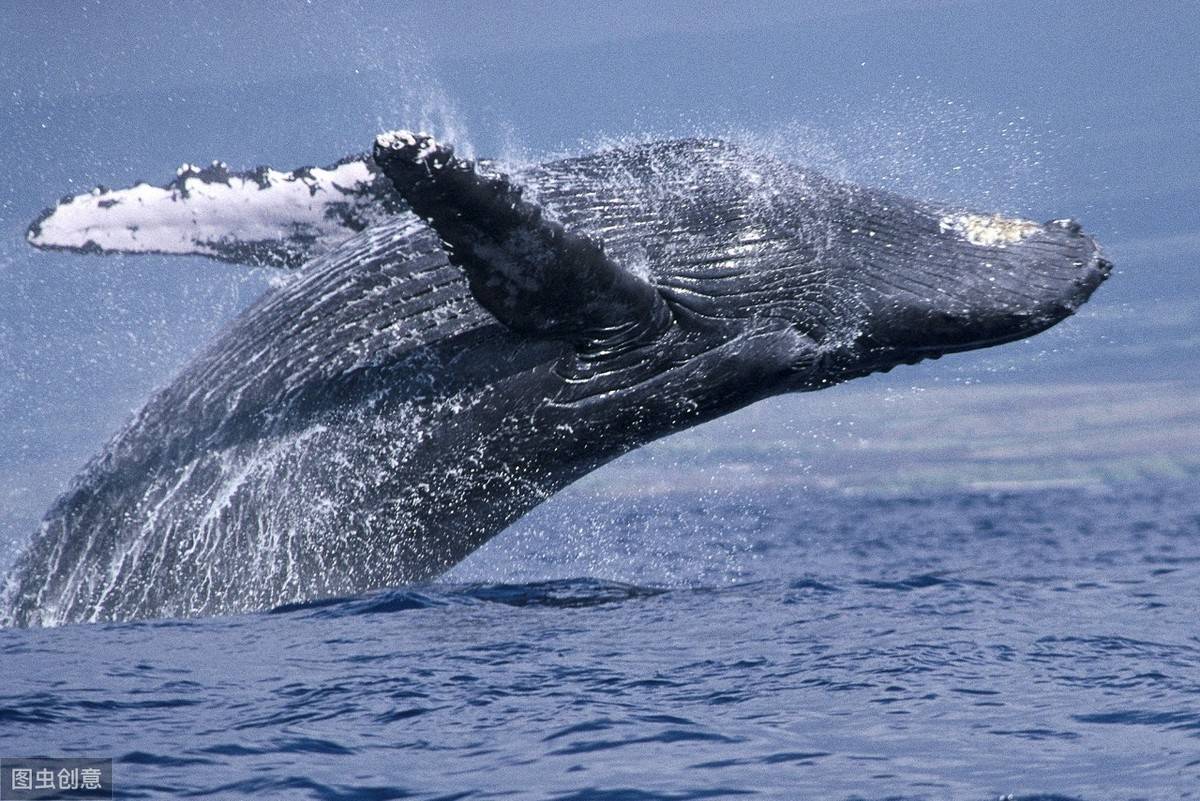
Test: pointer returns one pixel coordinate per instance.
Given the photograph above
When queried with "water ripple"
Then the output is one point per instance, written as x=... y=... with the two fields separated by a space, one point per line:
x=937 y=647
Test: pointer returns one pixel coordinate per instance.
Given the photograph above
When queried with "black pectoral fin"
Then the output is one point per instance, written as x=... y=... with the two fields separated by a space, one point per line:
x=531 y=273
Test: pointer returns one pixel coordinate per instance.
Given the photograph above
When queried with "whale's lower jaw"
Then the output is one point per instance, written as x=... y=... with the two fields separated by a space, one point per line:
x=1008 y=327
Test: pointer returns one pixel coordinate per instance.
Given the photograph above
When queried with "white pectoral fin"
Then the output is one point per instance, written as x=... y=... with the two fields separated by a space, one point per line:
x=262 y=217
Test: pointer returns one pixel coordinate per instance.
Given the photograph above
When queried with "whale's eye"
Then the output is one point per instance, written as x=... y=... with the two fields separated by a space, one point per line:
x=813 y=329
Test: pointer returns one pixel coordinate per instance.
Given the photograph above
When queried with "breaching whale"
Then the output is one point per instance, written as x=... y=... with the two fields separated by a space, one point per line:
x=458 y=344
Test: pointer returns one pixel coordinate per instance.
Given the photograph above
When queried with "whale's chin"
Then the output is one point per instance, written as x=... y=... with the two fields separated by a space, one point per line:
x=976 y=290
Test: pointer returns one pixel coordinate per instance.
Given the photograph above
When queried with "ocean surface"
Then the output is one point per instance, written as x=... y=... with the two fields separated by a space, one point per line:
x=778 y=643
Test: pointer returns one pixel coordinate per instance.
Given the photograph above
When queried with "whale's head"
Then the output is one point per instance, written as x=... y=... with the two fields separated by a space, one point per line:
x=818 y=280
x=935 y=283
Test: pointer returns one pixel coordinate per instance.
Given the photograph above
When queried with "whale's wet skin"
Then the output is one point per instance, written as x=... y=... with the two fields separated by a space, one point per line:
x=419 y=386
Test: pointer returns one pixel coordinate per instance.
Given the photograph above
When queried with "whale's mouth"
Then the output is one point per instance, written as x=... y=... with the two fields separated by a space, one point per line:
x=996 y=281
x=1097 y=272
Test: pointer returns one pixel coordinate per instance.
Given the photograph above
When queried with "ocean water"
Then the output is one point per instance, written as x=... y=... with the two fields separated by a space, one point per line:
x=782 y=643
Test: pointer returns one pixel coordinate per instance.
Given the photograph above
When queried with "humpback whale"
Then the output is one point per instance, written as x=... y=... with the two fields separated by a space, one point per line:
x=454 y=344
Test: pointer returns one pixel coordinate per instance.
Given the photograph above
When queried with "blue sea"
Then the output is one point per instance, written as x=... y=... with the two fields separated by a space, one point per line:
x=961 y=645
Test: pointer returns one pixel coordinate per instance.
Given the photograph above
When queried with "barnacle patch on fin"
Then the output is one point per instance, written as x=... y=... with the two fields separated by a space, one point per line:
x=402 y=138
x=989 y=230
